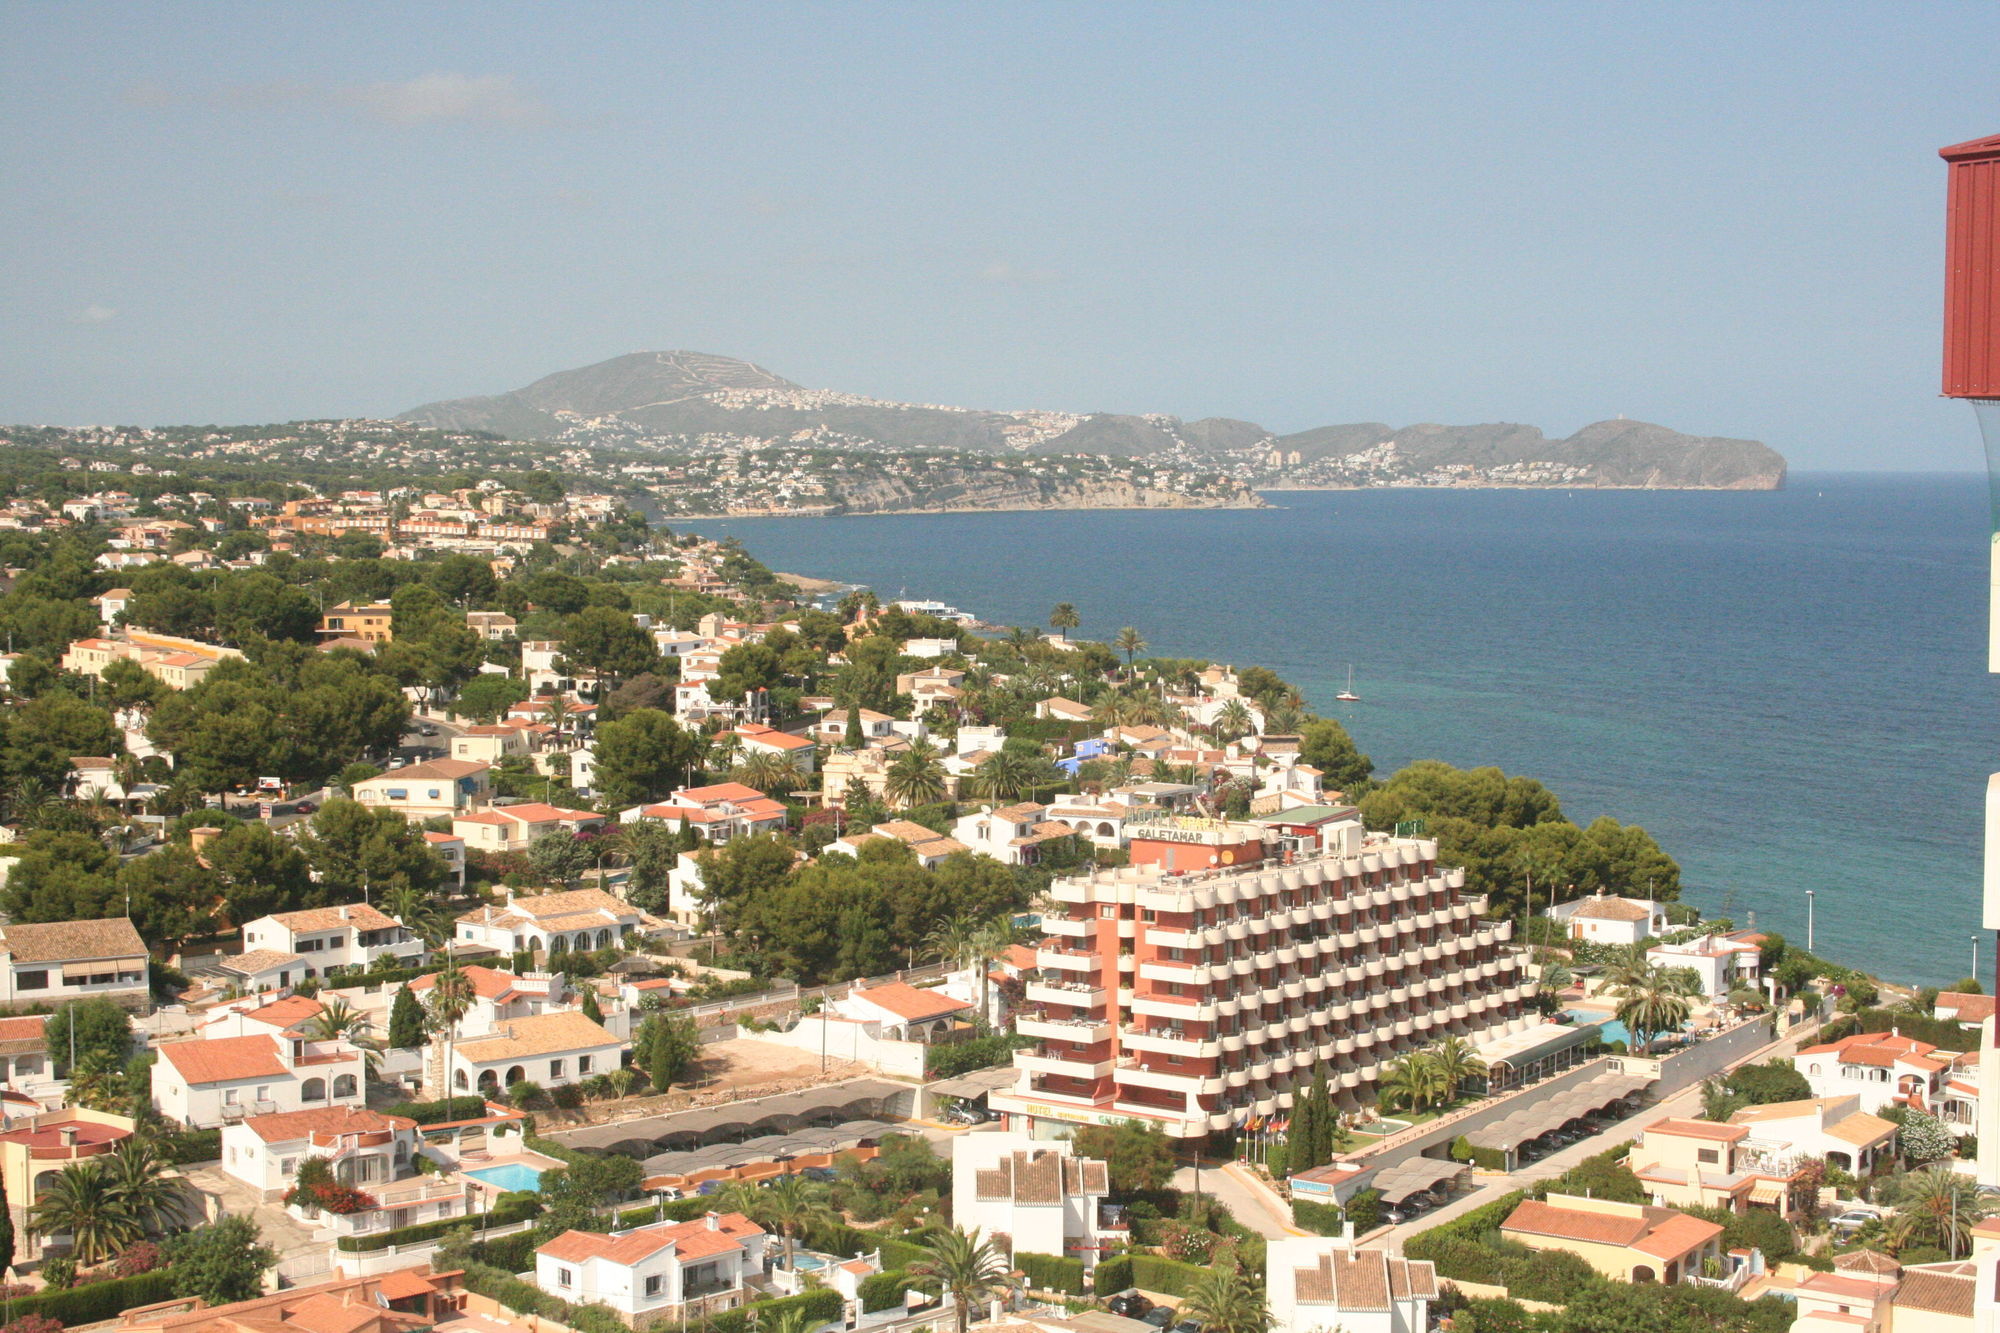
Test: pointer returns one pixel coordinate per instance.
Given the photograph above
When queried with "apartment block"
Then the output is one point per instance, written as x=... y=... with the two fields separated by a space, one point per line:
x=1206 y=982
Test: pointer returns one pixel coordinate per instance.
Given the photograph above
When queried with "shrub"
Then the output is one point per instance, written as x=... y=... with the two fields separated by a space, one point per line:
x=59 y=1273
x=141 y=1258
x=1051 y=1272
x=1113 y=1274
x=1471 y=1226
x=1555 y=1276
x=1488 y=1314
x=965 y=1056
x=1278 y=1161
x=1365 y=1211
x=1323 y=1219
x=192 y=1145
x=515 y=1253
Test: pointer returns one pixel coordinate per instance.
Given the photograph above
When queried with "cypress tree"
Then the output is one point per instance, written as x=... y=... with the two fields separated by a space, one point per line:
x=406 y=1021
x=1322 y=1099
x=852 y=740
x=1303 y=1134
x=6 y=1231
x=591 y=1009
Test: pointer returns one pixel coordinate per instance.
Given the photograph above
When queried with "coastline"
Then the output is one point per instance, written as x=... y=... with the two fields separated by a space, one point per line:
x=963 y=509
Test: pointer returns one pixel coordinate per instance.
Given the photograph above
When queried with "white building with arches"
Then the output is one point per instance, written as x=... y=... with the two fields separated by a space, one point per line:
x=553 y=1049
x=572 y=922
x=208 y=1081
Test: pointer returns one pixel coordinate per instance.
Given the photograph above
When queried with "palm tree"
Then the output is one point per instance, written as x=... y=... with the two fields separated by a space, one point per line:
x=1233 y=721
x=915 y=776
x=451 y=997
x=954 y=939
x=419 y=913
x=1457 y=1064
x=1413 y=1082
x=1064 y=619
x=794 y=1205
x=967 y=1267
x=139 y=1179
x=767 y=772
x=1224 y=1300
x=338 y=1020
x=1949 y=1204
x=1285 y=719
x=1129 y=643
x=83 y=1203
x=1008 y=776
x=98 y=1083
x=1654 y=1000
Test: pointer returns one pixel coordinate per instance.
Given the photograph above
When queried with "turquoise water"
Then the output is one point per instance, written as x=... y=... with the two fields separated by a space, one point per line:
x=1787 y=688
x=1612 y=1029
x=512 y=1176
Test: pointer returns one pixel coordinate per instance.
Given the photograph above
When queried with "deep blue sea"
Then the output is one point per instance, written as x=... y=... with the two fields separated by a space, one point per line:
x=1787 y=689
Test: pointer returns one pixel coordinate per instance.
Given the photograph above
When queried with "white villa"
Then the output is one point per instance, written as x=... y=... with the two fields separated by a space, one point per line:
x=667 y=1270
x=560 y=922
x=325 y=938
x=1036 y=1193
x=1319 y=1284
x=255 y=1062
x=54 y=961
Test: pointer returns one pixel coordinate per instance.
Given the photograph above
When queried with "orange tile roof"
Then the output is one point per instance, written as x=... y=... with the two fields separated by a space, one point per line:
x=224 y=1059
x=284 y=1126
x=286 y=1012
x=1698 y=1129
x=487 y=983
x=361 y=916
x=907 y=1002
x=721 y=791
x=1675 y=1236
x=691 y=1240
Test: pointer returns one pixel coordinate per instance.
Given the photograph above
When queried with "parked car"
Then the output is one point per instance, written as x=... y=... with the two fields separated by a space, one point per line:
x=1852 y=1220
x=305 y=807
x=824 y=1175
x=967 y=1113
x=1189 y=1325
x=709 y=1187
x=1129 y=1304
x=427 y=730
x=398 y=762
x=1160 y=1316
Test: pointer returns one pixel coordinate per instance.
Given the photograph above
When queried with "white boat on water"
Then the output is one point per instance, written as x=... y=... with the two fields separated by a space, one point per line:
x=1348 y=696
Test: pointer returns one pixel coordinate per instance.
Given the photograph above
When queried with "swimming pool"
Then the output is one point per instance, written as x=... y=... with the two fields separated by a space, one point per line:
x=509 y=1176
x=1612 y=1029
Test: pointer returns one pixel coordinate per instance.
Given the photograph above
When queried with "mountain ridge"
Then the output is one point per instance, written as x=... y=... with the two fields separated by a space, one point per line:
x=698 y=401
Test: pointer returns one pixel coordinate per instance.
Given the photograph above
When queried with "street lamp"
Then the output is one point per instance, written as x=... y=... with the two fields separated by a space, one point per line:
x=1809 y=921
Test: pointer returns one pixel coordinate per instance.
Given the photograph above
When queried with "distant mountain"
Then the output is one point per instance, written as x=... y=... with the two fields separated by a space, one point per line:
x=696 y=401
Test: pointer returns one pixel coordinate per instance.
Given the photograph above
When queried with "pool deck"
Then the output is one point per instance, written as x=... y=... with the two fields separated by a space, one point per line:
x=533 y=1161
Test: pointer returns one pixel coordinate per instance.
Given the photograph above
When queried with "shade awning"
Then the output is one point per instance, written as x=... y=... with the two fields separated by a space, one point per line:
x=1768 y=1191
x=976 y=1084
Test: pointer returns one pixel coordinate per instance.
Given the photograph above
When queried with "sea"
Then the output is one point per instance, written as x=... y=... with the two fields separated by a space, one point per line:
x=1788 y=689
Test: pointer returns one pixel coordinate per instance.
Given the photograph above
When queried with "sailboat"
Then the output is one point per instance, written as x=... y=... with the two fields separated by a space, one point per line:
x=1348 y=696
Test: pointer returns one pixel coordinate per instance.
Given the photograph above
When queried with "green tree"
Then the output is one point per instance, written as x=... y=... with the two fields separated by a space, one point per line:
x=406 y=1021
x=652 y=850
x=1010 y=776
x=1140 y=1156
x=643 y=756
x=144 y=1185
x=101 y=1027
x=793 y=1205
x=6 y=1232
x=967 y=1267
x=486 y=698
x=451 y=998
x=605 y=643
x=356 y=849
x=560 y=857
x=62 y=877
x=1947 y=1205
x=173 y=897
x=220 y=1263
x=1326 y=746
x=258 y=871
x=916 y=776
x=1064 y=619
x=674 y=1049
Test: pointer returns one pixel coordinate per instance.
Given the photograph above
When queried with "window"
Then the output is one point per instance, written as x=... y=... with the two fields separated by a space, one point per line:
x=565 y=1278
x=229 y=1096
x=289 y=1166
x=654 y=1284
x=38 y=980
x=1708 y=1156
x=432 y=793
x=583 y=1063
x=398 y=794
x=264 y=1093
x=311 y=946
x=555 y=1069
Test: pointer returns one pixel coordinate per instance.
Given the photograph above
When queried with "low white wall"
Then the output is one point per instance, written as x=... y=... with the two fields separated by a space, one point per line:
x=847 y=1041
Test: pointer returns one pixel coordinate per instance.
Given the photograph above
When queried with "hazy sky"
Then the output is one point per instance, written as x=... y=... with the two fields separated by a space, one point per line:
x=1724 y=219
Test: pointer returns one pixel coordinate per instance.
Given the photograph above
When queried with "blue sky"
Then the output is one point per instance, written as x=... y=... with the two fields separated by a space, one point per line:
x=1726 y=219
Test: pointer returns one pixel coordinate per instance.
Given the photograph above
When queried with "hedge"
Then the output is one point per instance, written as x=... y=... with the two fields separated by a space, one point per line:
x=515 y=1253
x=1322 y=1219
x=1472 y=1226
x=96 y=1301
x=511 y=1208
x=1486 y=1159
x=1051 y=1272
x=193 y=1145
x=1154 y=1272
x=1113 y=1274
x=821 y=1305
x=435 y=1113
x=882 y=1291
x=1365 y=1211
x=839 y=1239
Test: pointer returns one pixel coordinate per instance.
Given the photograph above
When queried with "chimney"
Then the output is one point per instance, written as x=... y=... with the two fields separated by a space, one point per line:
x=201 y=837
x=715 y=1222
x=344 y=914
x=67 y=1134
x=1347 y=1237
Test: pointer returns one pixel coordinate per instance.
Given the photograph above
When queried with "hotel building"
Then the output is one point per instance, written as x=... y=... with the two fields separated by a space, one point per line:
x=1205 y=982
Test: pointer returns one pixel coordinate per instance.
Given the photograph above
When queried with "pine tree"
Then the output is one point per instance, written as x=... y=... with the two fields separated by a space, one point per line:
x=406 y=1021
x=1323 y=1117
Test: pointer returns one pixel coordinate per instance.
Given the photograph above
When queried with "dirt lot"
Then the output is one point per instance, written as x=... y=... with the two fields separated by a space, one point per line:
x=729 y=1071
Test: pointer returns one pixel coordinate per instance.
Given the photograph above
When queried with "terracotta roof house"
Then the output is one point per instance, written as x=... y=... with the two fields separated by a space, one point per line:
x=1699 y=1164
x=672 y=1270
x=904 y=1010
x=206 y=1081
x=718 y=813
x=555 y=1048
x=1887 y=1069
x=1608 y=919
x=1834 y=1128
x=1628 y=1242
x=1038 y=1194
x=403 y=1301
x=930 y=846
x=435 y=789
x=53 y=961
x=578 y=919
x=1326 y=1283
x=516 y=828
x=325 y=938
x=1968 y=1011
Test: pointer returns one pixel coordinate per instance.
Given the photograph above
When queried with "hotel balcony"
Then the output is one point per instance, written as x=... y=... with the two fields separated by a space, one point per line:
x=1169 y=1043
x=1083 y=1066
x=1080 y=994
x=1090 y=1031
x=1070 y=960
x=1134 y=1074
x=1069 y=928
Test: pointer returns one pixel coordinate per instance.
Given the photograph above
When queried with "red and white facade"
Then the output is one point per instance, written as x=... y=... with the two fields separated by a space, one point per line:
x=1204 y=983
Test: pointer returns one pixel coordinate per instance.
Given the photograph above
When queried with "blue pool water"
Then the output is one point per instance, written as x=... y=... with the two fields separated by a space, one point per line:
x=1613 y=1030
x=512 y=1176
